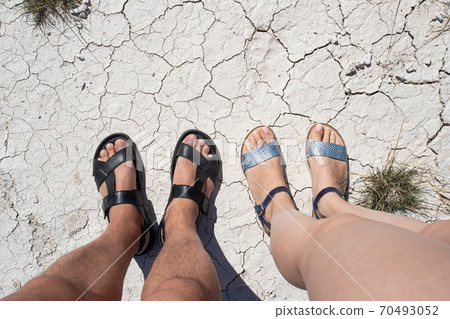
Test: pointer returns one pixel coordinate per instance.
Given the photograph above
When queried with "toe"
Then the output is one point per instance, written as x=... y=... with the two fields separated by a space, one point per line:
x=259 y=141
x=316 y=133
x=267 y=135
x=110 y=149
x=326 y=135
x=205 y=151
x=103 y=155
x=253 y=144
x=332 y=137
x=189 y=140
x=119 y=144
x=339 y=141
x=200 y=144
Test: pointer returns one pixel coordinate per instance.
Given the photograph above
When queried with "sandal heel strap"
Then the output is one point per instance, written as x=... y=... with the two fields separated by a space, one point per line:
x=261 y=208
x=132 y=197
x=324 y=191
x=192 y=193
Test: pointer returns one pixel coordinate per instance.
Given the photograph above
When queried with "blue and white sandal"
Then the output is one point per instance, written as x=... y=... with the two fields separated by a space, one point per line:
x=255 y=157
x=338 y=152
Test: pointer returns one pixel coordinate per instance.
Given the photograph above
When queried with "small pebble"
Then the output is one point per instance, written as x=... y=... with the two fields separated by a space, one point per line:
x=360 y=65
x=334 y=41
x=86 y=2
x=377 y=62
x=83 y=15
x=440 y=17
x=79 y=57
x=79 y=25
x=343 y=32
x=368 y=59
x=428 y=62
x=348 y=91
x=411 y=68
x=401 y=77
x=82 y=85
x=351 y=70
x=82 y=8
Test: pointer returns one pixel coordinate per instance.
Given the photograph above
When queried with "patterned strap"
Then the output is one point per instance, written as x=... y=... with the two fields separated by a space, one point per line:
x=321 y=194
x=261 y=208
x=260 y=154
x=318 y=148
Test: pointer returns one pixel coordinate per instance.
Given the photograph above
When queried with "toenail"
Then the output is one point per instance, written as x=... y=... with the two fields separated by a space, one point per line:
x=319 y=128
x=109 y=145
x=266 y=129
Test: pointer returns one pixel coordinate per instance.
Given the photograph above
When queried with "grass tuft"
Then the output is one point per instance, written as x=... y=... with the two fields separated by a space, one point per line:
x=44 y=12
x=394 y=188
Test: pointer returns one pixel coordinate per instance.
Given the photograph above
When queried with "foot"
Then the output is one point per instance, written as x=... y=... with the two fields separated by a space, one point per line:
x=267 y=175
x=182 y=212
x=125 y=216
x=326 y=171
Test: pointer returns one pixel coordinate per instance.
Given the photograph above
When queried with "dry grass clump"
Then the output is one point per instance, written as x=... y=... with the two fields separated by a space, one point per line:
x=414 y=190
x=44 y=12
x=392 y=189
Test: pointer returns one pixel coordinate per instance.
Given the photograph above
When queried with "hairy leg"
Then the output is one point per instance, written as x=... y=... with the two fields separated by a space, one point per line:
x=96 y=270
x=183 y=269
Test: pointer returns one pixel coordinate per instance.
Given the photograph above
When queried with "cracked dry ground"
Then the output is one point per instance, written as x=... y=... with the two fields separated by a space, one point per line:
x=156 y=69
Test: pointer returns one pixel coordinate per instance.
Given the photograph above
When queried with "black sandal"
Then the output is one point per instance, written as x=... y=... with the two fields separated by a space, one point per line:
x=104 y=172
x=206 y=168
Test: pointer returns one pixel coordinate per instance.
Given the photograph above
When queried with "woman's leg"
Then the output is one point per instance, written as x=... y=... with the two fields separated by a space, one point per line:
x=95 y=271
x=345 y=256
x=183 y=269
x=329 y=172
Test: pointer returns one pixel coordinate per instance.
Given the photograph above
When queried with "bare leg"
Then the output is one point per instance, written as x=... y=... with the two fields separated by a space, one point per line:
x=329 y=172
x=183 y=269
x=95 y=271
x=345 y=256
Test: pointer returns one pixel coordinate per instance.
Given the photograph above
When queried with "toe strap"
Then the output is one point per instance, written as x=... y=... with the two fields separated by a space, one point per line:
x=319 y=148
x=260 y=154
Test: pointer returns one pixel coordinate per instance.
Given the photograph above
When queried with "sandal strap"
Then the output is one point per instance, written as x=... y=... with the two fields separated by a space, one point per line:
x=207 y=166
x=192 y=193
x=324 y=191
x=103 y=169
x=260 y=209
x=260 y=154
x=331 y=150
x=132 y=197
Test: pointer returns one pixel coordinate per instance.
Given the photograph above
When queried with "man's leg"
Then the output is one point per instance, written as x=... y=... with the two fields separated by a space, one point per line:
x=95 y=271
x=345 y=256
x=183 y=269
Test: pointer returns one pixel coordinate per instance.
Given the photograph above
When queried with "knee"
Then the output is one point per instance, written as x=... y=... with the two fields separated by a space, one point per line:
x=325 y=225
x=182 y=289
x=439 y=230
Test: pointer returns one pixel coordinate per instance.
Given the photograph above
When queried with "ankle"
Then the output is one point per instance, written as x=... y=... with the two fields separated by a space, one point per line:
x=280 y=202
x=181 y=213
x=126 y=219
x=330 y=204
